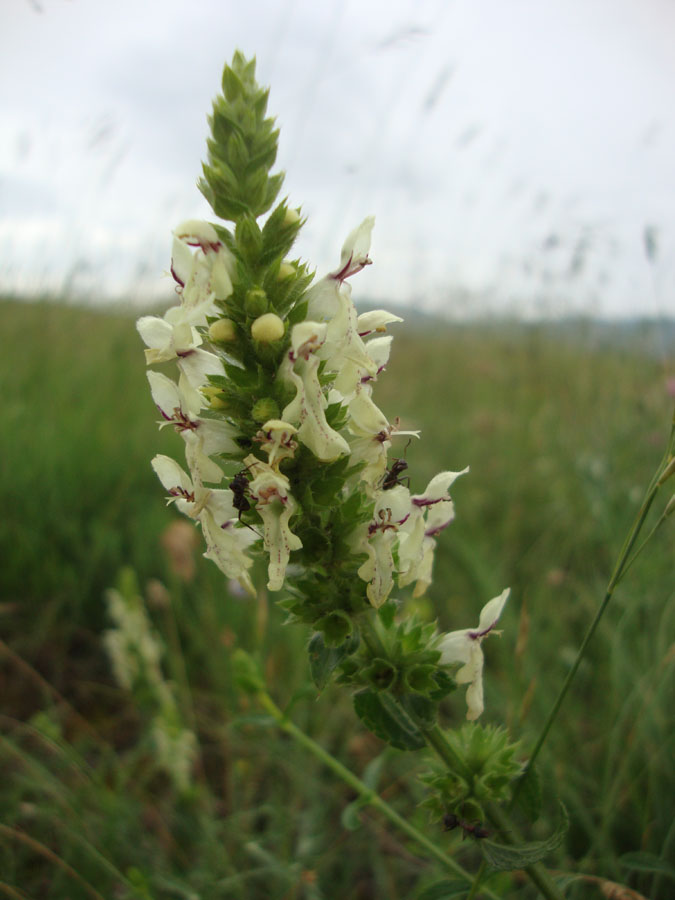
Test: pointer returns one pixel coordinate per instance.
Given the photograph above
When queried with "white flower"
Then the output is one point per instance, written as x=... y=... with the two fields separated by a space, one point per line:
x=378 y=350
x=271 y=492
x=202 y=276
x=276 y=439
x=214 y=510
x=204 y=437
x=307 y=409
x=354 y=254
x=164 y=340
x=330 y=301
x=195 y=366
x=465 y=647
x=392 y=508
x=344 y=350
x=370 y=436
x=430 y=513
x=375 y=320
x=400 y=538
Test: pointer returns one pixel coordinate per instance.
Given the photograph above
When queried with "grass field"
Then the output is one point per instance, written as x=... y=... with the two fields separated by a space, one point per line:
x=562 y=434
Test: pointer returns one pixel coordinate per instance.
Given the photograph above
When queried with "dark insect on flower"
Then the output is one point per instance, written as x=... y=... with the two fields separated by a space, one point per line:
x=239 y=486
x=475 y=829
x=392 y=475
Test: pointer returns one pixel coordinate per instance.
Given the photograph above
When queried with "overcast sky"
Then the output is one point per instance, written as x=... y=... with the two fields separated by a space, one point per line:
x=518 y=155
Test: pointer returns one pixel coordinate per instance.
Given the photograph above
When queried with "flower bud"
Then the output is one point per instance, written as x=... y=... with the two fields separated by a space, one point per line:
x=256 y=302
x=222 y=330
x=286 y=269
x=214 y=396
x=292 y=216
x=266 y=408
x=267 y=328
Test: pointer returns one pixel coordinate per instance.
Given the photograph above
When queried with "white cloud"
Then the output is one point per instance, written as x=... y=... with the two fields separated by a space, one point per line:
x=476 y=132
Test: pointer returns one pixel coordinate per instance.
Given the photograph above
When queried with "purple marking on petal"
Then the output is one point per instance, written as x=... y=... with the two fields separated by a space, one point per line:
x=477 y=635
x=213 y=246
x=183 y=422
x=432 y=532
x=421 y=500
x=183 y=353
x=344 y=271
x=162 y=413
x=348 y=270
x=176 y=278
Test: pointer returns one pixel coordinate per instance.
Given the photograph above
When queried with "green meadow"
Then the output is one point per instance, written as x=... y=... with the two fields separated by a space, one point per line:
x=562 y=426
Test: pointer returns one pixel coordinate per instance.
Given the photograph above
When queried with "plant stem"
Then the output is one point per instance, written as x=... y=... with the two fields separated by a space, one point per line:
x=437 y=740
x=367 y=794
x=369 y=634
x=476 y=881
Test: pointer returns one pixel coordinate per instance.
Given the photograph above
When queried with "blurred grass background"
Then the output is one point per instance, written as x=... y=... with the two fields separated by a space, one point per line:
x=562 y=426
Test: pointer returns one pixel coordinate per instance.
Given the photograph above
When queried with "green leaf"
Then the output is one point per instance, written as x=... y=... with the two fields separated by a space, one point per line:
x=419 y=679
x=443 y=890
x=350 y=819
x=385 y=718
x=647 y=862
x=387 y=613
x=323 y=660
x=529 y=793
x=371 y=775
x=372 y=772
x=336 y=628
x=446 y=684
x=505 y=858
x=421 y=709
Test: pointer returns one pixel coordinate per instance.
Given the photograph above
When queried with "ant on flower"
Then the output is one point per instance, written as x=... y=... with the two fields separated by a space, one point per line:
x=392 y=475
x=239 y=487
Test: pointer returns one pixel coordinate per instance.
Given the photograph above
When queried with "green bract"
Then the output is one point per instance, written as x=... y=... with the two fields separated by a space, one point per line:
x=489 y=763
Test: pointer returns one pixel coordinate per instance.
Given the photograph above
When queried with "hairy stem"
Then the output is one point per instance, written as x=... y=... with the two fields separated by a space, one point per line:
x=367 y=794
